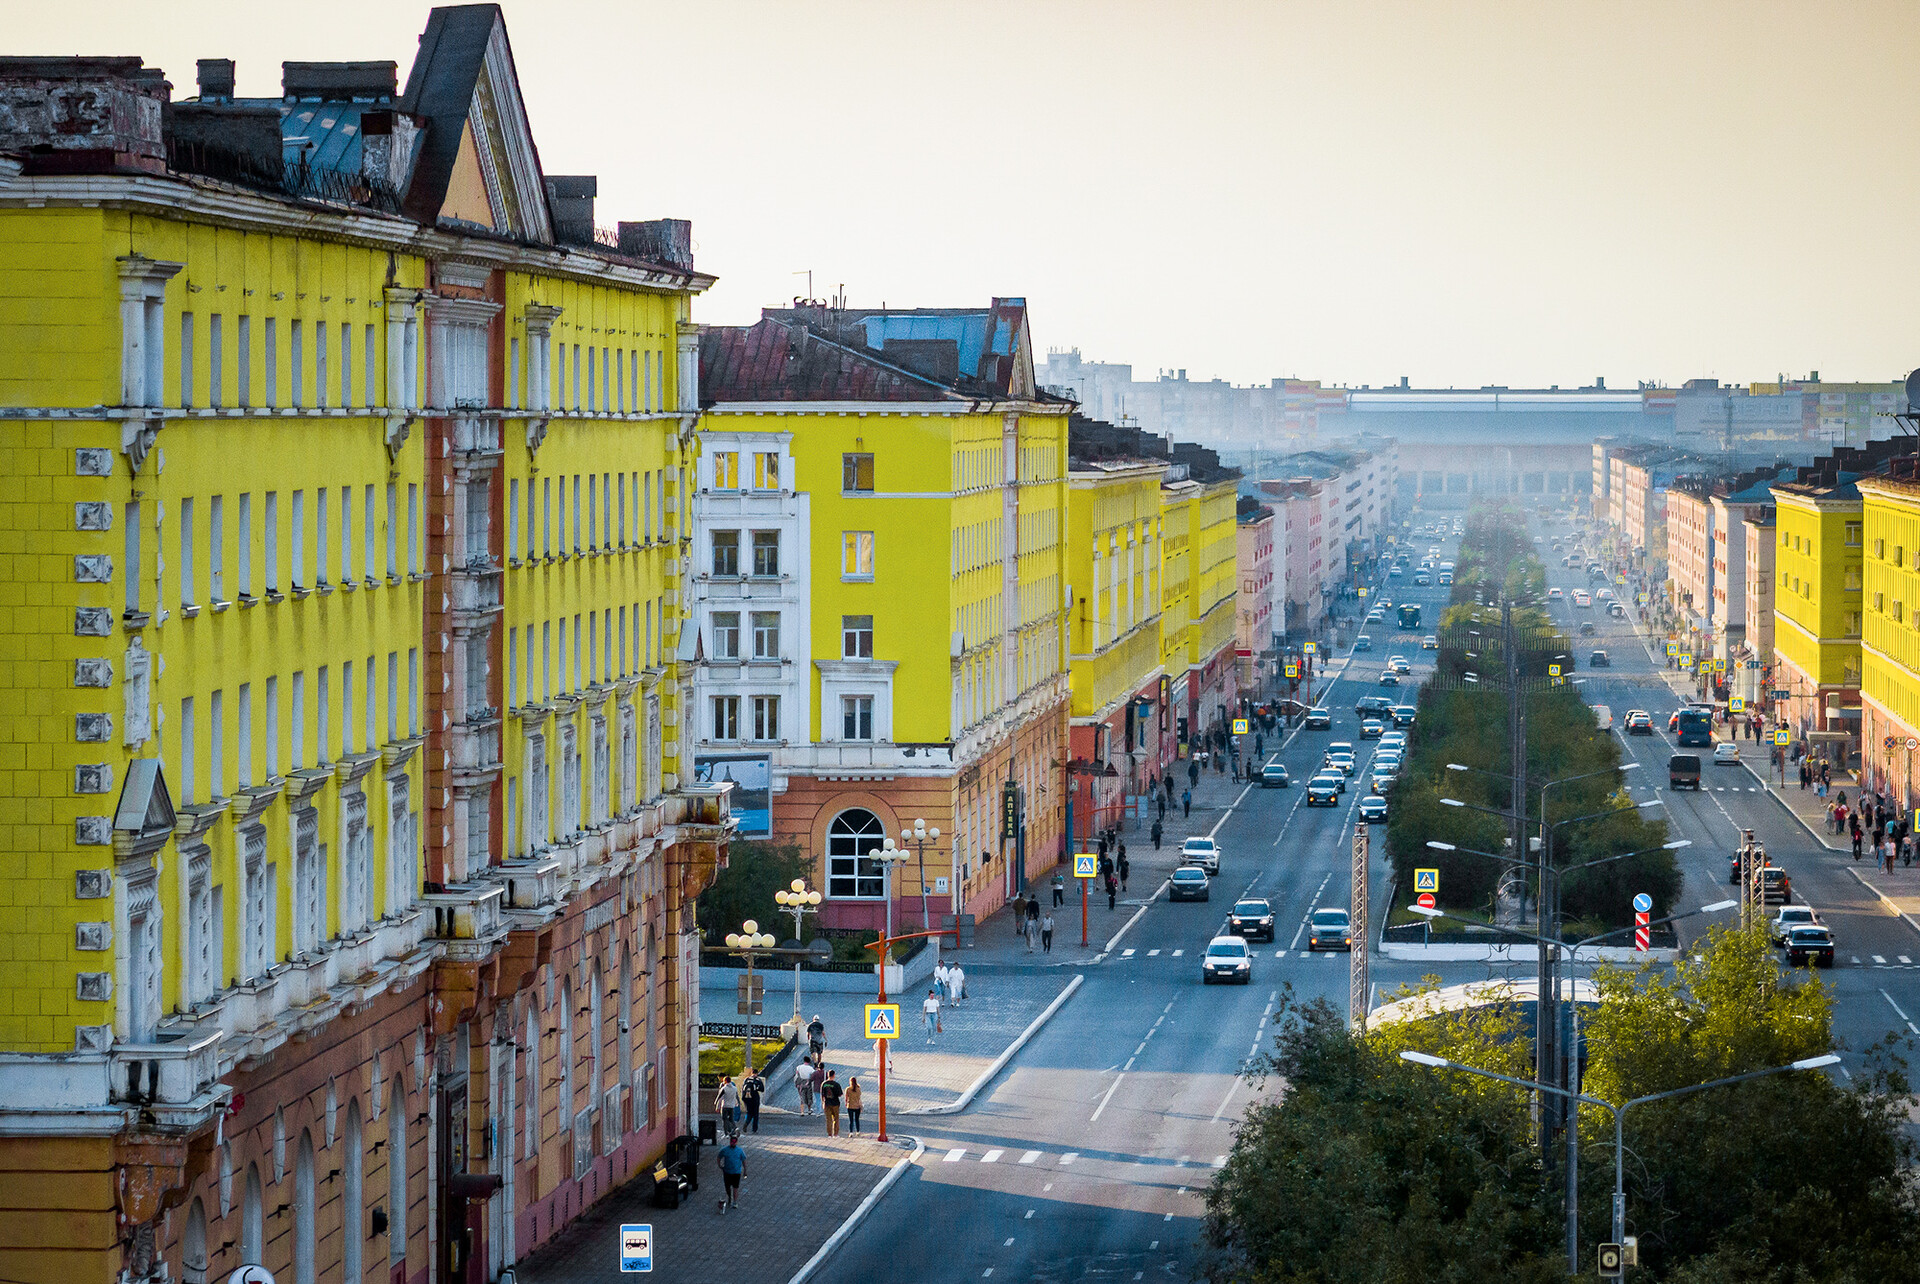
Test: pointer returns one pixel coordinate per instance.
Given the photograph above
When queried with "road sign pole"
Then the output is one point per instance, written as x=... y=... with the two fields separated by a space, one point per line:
x=1083 y=910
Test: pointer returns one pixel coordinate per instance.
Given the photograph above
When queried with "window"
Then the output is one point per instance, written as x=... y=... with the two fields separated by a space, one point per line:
x=270 y=530
x=726 y=635
x=216 y=376
x=1880 y=602
x=766 y=717
x=1880 y=548
x=856 y=717
x=856 y=637
x=1852 y=579
x=272 y=365
x=766 y=635
x=1853 y=624
x=852 y=838
x=766 y=553
x=186 y=358
x=130 y=570
x=1899 y=612
x=1899 y=555
x=856 y=555
x=726 y=717
x=244 y=543
x=856 y=474
x=766 y=470
x=186 y=553
x=1853 y=534
x=216 y=550
x=726 y=470
x=726 y=552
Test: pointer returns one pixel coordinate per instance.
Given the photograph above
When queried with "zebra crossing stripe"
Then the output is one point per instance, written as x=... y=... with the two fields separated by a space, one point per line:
x=954 y=1156
x=992 y=1156
x=1030 y=1156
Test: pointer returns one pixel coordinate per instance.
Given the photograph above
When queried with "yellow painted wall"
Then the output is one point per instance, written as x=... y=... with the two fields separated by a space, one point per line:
x=1818 y=587
x=1890 y=663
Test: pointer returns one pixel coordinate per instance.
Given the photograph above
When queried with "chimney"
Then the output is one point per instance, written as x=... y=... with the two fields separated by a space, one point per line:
x=1403 y=383
x=216 y=79
x=571 y=197
x=339 y=81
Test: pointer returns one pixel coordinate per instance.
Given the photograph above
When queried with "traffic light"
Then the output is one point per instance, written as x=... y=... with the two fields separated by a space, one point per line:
x=1611 y=1265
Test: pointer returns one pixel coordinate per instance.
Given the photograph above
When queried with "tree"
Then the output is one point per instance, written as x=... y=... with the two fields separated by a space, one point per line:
x=744 y=890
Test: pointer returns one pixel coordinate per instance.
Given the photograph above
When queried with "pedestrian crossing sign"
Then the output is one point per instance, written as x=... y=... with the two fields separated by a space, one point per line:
x=1673 y=648
x=1686 y=661
x=1239 y=726
x=1311 y=648
x=1781 y=737
x=883 y=1020
x=1293 y=670
x=1086 y=865
x=1719 y=665
x=1737 y=704
x=1553 y=670
x=1426 y=880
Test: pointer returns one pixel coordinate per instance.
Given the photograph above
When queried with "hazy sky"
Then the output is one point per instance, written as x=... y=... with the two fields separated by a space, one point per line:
x=1462 y=192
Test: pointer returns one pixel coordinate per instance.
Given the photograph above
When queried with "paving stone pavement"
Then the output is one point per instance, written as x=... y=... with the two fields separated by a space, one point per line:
x=799 y=1186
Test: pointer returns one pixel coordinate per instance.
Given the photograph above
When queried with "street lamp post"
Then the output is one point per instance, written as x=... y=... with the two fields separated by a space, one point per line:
x=749 y=943
x=917 y=836
x=796 y=900
x=1619 y=1112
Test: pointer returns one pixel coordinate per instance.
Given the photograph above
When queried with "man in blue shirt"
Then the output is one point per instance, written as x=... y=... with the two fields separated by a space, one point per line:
x=733 y=1166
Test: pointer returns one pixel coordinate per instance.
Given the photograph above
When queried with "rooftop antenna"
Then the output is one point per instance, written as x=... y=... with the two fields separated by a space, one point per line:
x=1910 y=418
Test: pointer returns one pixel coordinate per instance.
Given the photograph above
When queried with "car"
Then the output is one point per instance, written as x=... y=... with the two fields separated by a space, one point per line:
x=1399 y=664
x=1603 y=595
x=1375 y=616
x=1599 y=660
x=1392 y=740
x=1371 y=729
x=1555 y=595
x=1251 y=918
x=1203 y=852
x=1582 y=599
x=1446 y=566
x=1384 y=781
x=1340 y=746
x=1319 y=720
x=1403 y=714
x=1811 y=945
x=1227 y=959
x=1789 y=917
x=1726 y=753
x=1274 y=776
x=1389 y=679
x=1341 y=763
x=1322 y=791
x=1423 y=578
x=1330 y=929
x=1387 y=760
x=1430 y=643
x=1394 y=572
x=1363 y=643
x=1586 y=628
x=1776 y=888
x=1616 y=610
x=1446 y=577
x=1373 y=808
x=1372 y=706
x=1639 y=722
x=1189 y=883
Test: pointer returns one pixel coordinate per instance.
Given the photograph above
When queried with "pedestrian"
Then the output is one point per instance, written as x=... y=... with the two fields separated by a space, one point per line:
x=1193 y=771
x=1124 y=866
x=727 y=1097
x=830 y=1095
x=956 y=985
x=940 y=978
x=1059 y=891
x=930 y=1009
x=1163 y=805
x=1032 y=934
x=817 y=1037
x=1886 y=854
x=803 y=1084
x=1186 y=802
x=733 y=1166
x=1157 y=831
x=1046 y=933
x=1856 y=837
x=1020 y=916
x=819 y=1077
x=1804 y=773
x=751 y=1091
x=1113 y=887
x=853 y=1097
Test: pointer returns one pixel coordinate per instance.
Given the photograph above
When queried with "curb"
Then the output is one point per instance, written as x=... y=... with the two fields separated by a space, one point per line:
x=859 y=1214
x=1805 y=824
x=1892 y=908
x=965 y=1099
x=1128 y=925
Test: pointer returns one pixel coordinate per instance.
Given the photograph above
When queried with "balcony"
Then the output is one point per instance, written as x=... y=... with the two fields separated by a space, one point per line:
x=531 y=885
x=182 y=1073
x=476 y=586
x=474 y=745
x=467 y=919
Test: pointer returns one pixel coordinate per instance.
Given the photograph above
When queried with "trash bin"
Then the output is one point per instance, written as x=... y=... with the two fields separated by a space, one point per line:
x=709 y=1132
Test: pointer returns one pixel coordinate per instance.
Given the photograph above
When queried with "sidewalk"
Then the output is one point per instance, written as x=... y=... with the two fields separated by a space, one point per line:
x=799 y=1186
x=1898 y=891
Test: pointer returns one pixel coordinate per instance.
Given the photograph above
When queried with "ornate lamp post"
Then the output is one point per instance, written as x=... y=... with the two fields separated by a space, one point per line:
x=918 y=837
x=796 y=900
x=749 y=943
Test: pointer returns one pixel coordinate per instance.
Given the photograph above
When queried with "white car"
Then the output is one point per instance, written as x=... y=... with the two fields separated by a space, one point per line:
x=1228 y=958
x=1203 y=852
x=1726 y=752
x=1399 y=664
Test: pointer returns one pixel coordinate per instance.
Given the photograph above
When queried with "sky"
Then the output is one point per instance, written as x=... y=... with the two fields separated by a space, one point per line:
x=1461 y=193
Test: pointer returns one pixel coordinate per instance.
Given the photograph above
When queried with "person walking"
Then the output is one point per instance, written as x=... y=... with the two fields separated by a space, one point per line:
x=1113 y=888
x=733 y=1166
x=1032 y=933
x=1046 y=933
x=1163 y=805
x=853 y=1099
x=803 y=1084
x=830 y=1095
x=1059 y=891
x=1804 y=773
x=1855 y=826
x=1124 y=866
x=751 y=1091
x=817 y=1037
x=1193 y=770
x=930 y=1010
x=956 y=985
x=1186 y=802
x=818 y=1077
x=1157 y=830
x=727 y=1098
x=940 y=978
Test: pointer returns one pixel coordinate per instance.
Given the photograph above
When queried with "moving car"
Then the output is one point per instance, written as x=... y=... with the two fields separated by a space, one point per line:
x=1373 y=808
x=1203 y=852
x=1189 y=883
x=1430 y=643
x=1403 y=714
x=1683 y=771
x=1370 y=730
x=1319 y=720
x=1251 y=918
x=1363 y=643
x=1341 y=765
x=1586 y=628
x=1812 y=944
x=1387 y=760
x=1555 y=595
x=1423 y=578
x=1446 y=577
x=1393 y=740
x=1599 y=660
x=1775 y=887
x=1323 y=791
x=1639 y=722
x=1616 y=610
x=1399 y=664
x=1274 y=776
x=1340 y=746
x=1582 y=598
x=1227 y=959
x=1389 y=679
x=1330 y=929
x=1372 y=706
x=1384 y=781
x=1726 y=753
x=1789 y=917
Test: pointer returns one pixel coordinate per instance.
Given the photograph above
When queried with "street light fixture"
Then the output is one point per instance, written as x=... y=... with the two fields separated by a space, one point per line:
x=918 y=836
x=749 y=943
x=1619 y=1115
x=796 y=900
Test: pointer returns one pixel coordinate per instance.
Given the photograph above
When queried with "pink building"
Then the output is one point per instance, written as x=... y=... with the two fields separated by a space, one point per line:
x=1259 y=593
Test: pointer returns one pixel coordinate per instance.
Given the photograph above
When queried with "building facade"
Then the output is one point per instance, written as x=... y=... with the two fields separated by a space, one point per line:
x=1817 y=603
x=1253 y=635
x=1756 y=663
x=347 y=938
x=1890 y=639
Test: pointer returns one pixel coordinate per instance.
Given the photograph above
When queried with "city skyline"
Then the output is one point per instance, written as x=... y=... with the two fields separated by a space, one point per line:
x=1351 y=197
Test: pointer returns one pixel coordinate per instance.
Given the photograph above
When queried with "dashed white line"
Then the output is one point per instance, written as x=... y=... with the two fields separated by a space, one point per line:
x=1879 y=958
x=1219 y=1161
x=953 y=1156
x=992 y=1156
x=1151 y=953
x=1009 y=1243
x=1126 y=954
x=1177 y=953
x=1072 y=1155
x=1904 y=959
x=1028 y=1158
x=1029 y=1216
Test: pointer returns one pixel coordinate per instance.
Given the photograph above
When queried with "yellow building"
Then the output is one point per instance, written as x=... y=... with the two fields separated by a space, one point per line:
x=1817 y=603
x=346 y=801
x=1890 y=641
x=1199 y=587
x=879 y=588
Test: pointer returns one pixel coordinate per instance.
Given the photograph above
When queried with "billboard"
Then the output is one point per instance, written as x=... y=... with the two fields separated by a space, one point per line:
x=752 y=777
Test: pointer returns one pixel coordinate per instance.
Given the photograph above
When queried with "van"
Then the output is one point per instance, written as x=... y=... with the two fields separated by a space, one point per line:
x=1683 y=771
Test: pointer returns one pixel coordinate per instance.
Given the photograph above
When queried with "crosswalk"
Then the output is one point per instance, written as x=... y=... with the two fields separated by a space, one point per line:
x=1279 y=954
x=963 y=1154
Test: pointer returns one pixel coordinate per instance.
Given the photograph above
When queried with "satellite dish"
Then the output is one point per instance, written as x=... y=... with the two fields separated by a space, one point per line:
x=1913 y=393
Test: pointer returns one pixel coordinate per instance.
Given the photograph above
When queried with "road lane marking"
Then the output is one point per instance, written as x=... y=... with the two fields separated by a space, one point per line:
x=1904 y=959
x=992 y=1156
x=1071 y=1155
x=1167 y=1218
x=1219 y=1161
x=1182 y=1163
x=1177 y=953
x=1028 y=1158
x=1029 y=1216
x=1128 y=1066
x=1221 y=1109
x=1897 y=1012
x=984 y=1274
x=1879 y=958
x=1009 y=1243
x=953 y=1156
x=1152 y=953
x=1126 y=954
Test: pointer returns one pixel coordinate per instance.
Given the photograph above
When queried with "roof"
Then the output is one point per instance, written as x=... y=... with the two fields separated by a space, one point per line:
x=776 y=361
x=989 y=345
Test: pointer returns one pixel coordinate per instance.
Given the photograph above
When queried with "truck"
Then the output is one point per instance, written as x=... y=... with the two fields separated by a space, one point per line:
x=1409 y=616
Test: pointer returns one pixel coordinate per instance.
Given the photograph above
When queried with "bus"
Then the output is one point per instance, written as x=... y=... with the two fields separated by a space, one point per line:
x=1695 y=728
x=1409 y=616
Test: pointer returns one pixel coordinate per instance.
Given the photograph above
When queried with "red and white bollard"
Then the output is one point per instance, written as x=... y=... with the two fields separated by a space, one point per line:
x=1642 y=911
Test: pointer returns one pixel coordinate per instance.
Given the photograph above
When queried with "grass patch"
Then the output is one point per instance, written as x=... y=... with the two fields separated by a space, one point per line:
x=729 y=1057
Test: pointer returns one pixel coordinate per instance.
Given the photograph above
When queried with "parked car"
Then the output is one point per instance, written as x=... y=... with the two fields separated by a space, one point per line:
x=1639 y=722
x=1324 y=791
x=1189 y=883
x=1251 y=918
x=1318 y=719
x=1812 y=945
x=1227 y=959
x=1599 y=660
x=1373 y=808
x=1274 y=776
x=1203 y=852
x=1726 y=753
x=1683 y=771
x=1330 y=929
x=1789 y=917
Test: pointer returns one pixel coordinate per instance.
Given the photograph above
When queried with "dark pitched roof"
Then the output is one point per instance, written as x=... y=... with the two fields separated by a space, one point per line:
x=775 y=361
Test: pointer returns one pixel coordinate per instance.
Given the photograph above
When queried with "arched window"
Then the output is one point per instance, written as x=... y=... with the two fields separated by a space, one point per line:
x=397 y=1174
x=533 y=1079
x=253 y=1234
x=193 y=1244
x=851 y=874
x=566 y=1054
x=353 y=1214
x=303 y=1211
